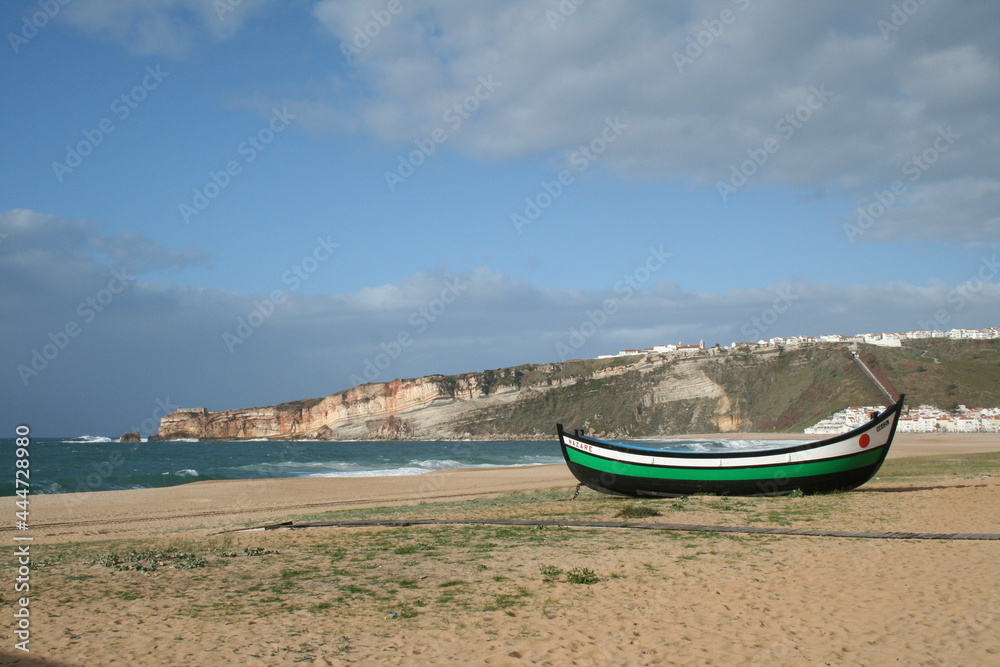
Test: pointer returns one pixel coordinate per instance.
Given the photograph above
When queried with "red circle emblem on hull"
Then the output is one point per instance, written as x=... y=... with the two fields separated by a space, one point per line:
x=864 y=441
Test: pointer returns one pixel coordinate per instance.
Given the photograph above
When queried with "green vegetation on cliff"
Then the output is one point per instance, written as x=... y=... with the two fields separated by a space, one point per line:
x=575 y=396
x=762 y=391
x=945 y=373
x=787 y=390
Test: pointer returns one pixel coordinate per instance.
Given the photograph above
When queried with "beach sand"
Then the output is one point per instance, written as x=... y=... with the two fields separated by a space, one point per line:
x=481 y=595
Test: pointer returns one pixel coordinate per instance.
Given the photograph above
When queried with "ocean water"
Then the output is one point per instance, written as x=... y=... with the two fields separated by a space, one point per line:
x=715 y=445
x=92 y=463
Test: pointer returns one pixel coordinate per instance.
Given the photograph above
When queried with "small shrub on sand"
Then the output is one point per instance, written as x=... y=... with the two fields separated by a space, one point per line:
x=582 y=575
x=637 y=512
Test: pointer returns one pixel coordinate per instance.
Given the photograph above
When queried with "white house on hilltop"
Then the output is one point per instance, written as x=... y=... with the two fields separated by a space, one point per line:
x=657 y=349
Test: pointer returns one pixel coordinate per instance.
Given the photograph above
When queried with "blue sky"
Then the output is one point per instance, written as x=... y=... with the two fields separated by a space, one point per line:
x=228 y=204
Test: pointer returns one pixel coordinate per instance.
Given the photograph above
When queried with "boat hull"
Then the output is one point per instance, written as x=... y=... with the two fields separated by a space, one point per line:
x=836 y=464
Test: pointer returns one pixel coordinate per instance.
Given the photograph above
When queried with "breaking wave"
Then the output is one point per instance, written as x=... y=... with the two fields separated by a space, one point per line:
x=88 y=439
x=721 y=445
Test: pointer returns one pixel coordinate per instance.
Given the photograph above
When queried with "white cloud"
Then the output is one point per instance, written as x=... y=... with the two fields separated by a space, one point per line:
x=701 y=85
x=963 y=211
x=954 y=79
x=39 y=245
x=743 y=82
x=161 y=27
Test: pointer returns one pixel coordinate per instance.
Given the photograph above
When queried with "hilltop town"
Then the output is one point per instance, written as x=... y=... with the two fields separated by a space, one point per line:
x=923 y=419
x=880 y=339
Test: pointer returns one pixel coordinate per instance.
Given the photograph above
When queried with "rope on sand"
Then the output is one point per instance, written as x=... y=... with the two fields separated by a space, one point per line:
x=745 y=530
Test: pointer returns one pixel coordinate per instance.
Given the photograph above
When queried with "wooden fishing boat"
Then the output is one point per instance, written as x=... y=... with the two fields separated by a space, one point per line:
x=839 y=463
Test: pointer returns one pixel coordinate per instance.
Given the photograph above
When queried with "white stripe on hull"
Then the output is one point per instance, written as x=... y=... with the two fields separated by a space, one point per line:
x=877 y=436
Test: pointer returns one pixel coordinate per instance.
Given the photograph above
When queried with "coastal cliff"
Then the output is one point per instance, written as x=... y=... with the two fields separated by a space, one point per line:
x=401 y=409
x=641 y=396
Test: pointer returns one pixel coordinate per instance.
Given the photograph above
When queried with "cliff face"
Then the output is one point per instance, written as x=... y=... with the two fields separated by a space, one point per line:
x=401 y=409
x=490 y=404
x=634 y=396
x=649 y=395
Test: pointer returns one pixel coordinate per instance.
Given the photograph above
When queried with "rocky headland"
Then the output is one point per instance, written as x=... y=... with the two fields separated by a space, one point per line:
x=716 y=391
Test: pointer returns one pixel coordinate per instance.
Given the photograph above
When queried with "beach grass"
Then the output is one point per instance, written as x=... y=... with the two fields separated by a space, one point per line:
x=416 y=542
x=393 y=574
x=367 y=586
x=966 y=466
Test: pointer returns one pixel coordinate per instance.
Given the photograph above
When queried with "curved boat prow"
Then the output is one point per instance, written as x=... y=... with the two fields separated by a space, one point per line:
x=878 y=423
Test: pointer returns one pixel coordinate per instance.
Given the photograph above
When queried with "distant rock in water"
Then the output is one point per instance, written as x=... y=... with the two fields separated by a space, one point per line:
x=131 y=437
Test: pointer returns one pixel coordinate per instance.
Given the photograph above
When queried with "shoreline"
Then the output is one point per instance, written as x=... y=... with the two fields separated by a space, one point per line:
x=728 y=435
x=219 y=503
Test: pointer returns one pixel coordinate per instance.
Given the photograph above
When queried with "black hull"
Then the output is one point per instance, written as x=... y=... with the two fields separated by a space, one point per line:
x=643 y=487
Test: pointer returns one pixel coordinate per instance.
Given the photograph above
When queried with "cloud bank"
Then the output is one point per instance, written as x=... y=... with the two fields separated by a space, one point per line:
x=716 y=94
x=81 y=313
x=712 y=92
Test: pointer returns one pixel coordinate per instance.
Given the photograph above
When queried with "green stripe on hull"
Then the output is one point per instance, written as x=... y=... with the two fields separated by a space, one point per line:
x=779 y=471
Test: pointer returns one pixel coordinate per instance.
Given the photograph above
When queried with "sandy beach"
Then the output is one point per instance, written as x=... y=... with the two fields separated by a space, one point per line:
x=148 y=576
